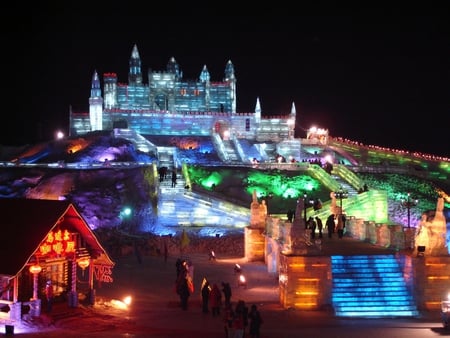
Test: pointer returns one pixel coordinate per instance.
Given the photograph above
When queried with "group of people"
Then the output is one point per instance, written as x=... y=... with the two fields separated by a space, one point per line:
x=236 y=319
x=333 y=224
x=312 y=224
x=162 y=171
x=211 y=297
x=336 y=223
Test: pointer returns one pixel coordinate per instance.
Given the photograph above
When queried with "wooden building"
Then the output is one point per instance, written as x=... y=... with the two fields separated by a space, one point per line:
x=47 y=240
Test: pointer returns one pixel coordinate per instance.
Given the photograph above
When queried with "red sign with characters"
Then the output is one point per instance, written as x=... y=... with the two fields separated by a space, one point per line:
x=58 y=242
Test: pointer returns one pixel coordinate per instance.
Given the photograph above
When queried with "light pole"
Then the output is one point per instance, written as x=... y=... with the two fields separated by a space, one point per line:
x=340 y=194
x=409 y=203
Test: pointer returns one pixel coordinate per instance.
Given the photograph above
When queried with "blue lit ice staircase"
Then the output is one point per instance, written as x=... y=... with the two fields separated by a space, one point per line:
x=179 y=206
x=370 y=286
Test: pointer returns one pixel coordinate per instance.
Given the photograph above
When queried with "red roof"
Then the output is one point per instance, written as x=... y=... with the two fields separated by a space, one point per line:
x=25 y=223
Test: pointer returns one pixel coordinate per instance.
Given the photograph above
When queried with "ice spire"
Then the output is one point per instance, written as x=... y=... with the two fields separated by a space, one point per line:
x=135 y=73
x=291 y=121
x=257 y=111
x=96 y=104
x=229 y=71
x=204 y=75
x=293 y=110
x=174 y=68
x=95 y=86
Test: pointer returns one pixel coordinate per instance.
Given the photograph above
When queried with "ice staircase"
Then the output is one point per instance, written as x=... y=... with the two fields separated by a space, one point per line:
x=370 y=286
x=178 y=205
x=139 y=141
x=232 y=155
x=192 y=209
x=345 y=186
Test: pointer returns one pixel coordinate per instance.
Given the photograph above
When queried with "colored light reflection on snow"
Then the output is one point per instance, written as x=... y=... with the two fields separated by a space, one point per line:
x=121 y=304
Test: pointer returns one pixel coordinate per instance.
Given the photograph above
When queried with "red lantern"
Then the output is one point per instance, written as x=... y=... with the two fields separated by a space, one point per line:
x=83 y=262
x=35 y=269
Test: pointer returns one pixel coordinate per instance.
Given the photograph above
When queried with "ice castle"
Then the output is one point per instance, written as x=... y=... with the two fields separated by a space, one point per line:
x=169 y=105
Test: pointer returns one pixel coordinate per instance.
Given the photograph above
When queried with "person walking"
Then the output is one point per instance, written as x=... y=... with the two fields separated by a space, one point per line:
x=238 y=323
x=181 y=267
x=215 y=300
x=205 y=292
x=226 y=289
x=49 y=295
x=319 y=226
x=340 y=225
x=228 y=315
x=174 y=178
x=240 y=319
x=255 y=322
x=330 y=225
x=182 y=288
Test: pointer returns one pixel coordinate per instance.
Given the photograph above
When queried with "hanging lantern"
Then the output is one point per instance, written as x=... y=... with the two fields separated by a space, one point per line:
x=83 y=262
x=35 y=269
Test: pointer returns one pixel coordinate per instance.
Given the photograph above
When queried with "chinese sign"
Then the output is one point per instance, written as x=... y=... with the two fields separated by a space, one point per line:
x=58 y=242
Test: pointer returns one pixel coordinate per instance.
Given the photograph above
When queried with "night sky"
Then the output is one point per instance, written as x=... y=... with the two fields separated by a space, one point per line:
x=377 y=80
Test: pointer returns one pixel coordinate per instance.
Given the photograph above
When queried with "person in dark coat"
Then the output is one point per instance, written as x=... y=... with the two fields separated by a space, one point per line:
x=206 y=289
x=330 y=225
x=226 y=289
x=240 y=320
x=180 y=265
x=174 y=178
x=182 y=288
x=340 y=225
x=319 y=226
x=312 y=226
x=255 y=321
x=228 y=316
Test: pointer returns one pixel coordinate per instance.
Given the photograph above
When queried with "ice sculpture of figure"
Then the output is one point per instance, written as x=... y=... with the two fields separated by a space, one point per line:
x=422 y=234
x=432 y=232
x=298 y=219
x=334 y=209
x=257 y=214
x=301 y=239
x=263 y=207
x=438 y=229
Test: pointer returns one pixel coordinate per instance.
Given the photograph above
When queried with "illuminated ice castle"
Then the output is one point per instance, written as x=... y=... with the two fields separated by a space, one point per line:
x=170 y=105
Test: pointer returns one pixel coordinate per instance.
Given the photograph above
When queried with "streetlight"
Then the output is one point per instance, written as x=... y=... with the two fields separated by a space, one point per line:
x=59 y=135
x=341 y=194
x=409 y=203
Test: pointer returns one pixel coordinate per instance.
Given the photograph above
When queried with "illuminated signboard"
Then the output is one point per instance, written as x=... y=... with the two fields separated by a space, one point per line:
x=58 y=242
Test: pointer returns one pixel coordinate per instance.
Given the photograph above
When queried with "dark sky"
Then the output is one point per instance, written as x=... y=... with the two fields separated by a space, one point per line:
x=381 y=80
